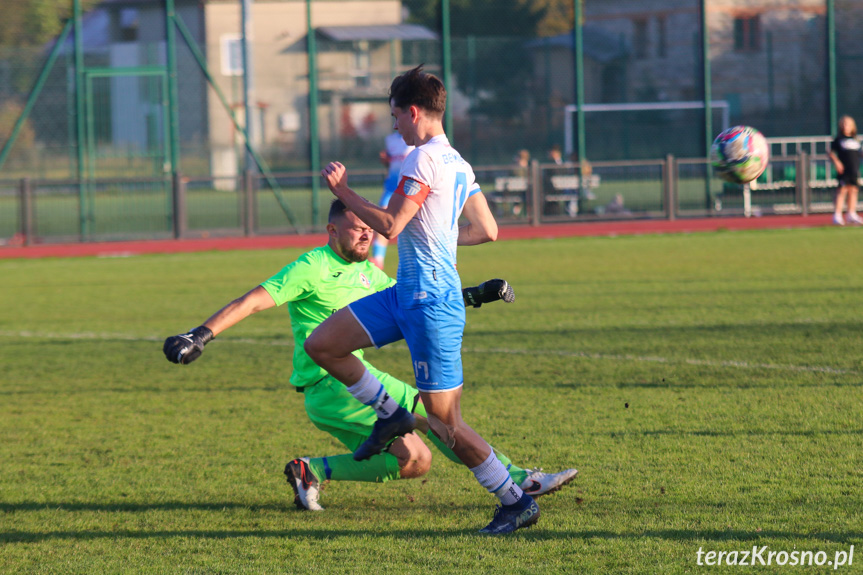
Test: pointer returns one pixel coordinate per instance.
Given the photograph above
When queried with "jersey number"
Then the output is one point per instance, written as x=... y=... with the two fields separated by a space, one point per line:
x=460 y=193
x=421 y=367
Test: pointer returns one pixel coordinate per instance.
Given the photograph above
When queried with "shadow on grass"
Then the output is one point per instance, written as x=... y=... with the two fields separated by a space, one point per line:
x=54 y=391
x=132 y=507
x=731 y=433
x=681 y=535
x=411 y=535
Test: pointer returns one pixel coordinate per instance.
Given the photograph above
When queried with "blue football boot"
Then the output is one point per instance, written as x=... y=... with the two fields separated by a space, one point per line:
x=508 y=518
x=401 y=422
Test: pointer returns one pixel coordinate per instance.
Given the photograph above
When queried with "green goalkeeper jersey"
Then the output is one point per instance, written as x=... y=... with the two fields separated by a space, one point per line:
x=314 y=287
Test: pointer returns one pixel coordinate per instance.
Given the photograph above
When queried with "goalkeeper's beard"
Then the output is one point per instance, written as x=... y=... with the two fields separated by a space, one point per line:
x=356 y=254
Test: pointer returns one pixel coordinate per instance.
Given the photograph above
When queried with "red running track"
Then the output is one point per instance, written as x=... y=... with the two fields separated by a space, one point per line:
x=616 y=228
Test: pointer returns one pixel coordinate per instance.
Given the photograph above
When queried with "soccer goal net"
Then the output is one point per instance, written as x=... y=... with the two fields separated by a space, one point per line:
x=570 y=111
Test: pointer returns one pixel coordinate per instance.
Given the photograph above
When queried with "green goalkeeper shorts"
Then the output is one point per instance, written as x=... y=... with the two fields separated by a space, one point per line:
x=333 y=409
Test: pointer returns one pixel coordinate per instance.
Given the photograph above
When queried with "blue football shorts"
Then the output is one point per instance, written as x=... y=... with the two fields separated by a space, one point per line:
x=433 y=333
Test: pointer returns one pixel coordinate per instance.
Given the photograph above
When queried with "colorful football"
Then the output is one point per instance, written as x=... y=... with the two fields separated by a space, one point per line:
x=740 y=154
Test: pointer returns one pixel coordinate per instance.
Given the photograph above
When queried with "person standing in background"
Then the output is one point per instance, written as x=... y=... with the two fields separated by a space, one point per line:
x=845 y=153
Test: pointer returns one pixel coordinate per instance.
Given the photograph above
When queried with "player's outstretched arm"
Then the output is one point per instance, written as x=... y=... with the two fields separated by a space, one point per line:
x=187 y=347
x=481 y=226
x=488 y=291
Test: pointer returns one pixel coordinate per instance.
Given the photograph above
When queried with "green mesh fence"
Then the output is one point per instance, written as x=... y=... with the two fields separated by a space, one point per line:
x=512 y=101
x=45 y=144
x=849 y=56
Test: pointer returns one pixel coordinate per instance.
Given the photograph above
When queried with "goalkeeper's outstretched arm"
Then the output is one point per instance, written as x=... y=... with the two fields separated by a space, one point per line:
x=187 y=347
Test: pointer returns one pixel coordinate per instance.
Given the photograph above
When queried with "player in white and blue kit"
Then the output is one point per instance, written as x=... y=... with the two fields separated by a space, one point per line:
x=393 y=156
x=425 y=307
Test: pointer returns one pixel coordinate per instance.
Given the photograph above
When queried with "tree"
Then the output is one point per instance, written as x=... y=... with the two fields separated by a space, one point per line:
x=557 y=17
x=501 y=18
x=496 y=70
x=480 y=17
x=10 y=111
x=35 y=22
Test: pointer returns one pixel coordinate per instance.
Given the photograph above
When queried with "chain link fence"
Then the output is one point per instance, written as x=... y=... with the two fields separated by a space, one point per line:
x=102 y=160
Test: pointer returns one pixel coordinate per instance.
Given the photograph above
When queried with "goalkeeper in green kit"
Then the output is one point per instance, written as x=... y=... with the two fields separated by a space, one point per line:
x=318 y=283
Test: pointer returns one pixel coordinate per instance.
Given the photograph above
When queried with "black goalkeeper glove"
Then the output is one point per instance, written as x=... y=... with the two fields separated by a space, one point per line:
x=488 y=291
x=187 y=347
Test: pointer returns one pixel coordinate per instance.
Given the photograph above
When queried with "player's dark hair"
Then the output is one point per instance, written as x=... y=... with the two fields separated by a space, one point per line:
x=417 y=88
x=337 y=210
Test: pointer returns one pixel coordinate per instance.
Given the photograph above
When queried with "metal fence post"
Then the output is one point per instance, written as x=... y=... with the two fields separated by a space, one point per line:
x=446 y=64
x=578 y=73
x=536 y=193
x=26 y=192
x=708 y=97
x=670 y=187
x=314 y=132
x=801 y=182
x=173 y=116
x=249 y=190
x=179 y=196
x=831 y=65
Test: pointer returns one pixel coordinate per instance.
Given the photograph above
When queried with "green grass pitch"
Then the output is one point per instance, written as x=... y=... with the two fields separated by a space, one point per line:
x=707 y=387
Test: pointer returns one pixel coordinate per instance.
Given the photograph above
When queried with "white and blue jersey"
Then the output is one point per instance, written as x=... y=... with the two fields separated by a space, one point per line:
x=439 y=180
x=396 y=151
x=425 y=307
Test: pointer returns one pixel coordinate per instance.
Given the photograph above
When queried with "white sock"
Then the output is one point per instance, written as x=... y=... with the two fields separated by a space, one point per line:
x=492 y=475
x=371 y=392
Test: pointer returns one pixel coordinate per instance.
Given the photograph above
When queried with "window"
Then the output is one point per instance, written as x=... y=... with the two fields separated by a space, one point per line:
x=640 y=39
x=232 y=55
x=661 y=36
x=128 y=25
x=747 y=33
x=362 y=64
x=614 y=83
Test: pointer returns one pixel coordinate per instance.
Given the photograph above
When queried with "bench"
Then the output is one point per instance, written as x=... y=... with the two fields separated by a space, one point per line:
x=571 y=184
x=510 y=193
x=567 y=193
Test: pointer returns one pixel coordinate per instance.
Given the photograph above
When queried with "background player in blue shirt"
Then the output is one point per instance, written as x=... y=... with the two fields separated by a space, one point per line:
x=392 y=156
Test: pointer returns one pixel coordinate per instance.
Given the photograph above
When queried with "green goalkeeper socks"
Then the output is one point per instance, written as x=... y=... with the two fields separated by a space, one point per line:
x=377 y=469
x=385 y=467
x=517 y=473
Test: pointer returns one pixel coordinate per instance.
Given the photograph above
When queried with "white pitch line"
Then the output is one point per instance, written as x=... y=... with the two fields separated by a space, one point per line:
x=126 y=337
x=504 y=351
x=79 y=335
x=650 y=359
